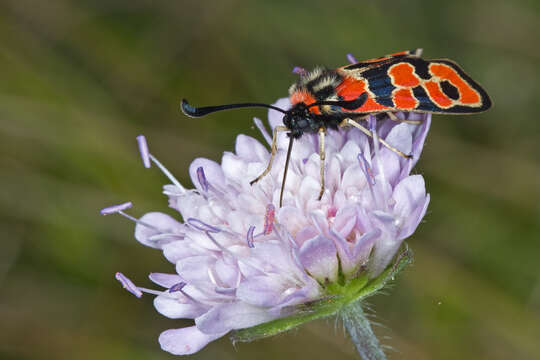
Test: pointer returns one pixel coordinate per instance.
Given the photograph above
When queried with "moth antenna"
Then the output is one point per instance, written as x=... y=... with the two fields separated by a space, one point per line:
x=193 y=111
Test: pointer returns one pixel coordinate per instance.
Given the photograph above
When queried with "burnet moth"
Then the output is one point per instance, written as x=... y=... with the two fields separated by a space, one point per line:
x=325 y=98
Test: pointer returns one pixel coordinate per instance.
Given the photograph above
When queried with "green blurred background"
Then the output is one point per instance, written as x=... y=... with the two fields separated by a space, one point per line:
x=80 y=79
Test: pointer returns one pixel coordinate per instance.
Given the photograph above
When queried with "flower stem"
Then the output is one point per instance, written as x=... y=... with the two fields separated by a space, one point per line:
x=362 y=335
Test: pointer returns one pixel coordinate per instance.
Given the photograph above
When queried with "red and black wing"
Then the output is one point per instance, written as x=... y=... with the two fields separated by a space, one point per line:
x=410 y=83
x=370 y=63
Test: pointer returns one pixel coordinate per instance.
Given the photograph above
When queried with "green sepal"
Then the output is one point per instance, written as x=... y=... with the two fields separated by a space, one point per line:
x=338 y=296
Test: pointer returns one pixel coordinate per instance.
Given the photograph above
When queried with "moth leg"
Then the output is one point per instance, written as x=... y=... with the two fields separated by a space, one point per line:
x=351 y=122
x=393 y=117
x=273 y=155
x=322 y=155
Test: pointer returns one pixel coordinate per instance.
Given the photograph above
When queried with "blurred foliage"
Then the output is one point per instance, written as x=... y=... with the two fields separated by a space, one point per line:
x=80 y=79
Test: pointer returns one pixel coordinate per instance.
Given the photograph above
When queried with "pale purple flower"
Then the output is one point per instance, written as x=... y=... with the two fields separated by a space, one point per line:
x=240 y=259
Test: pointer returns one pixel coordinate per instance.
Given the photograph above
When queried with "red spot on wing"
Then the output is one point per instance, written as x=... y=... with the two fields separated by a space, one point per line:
x=403 y=74
x=436 y=95
x=404 y=99
x=352 y=88
x=467 y=94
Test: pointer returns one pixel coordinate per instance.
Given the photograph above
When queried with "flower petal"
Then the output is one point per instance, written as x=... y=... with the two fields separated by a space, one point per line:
x=229 y=316
x=212 y=172
x=318 y=256
x=400 y=137
x=178 y=308
x=250 y=149
x=165 y=280
x=408 y=194
x=178 y=250
x=195 y=268
x=275 y=118
x=264 y=290
x=160 y=224
x=186 y=340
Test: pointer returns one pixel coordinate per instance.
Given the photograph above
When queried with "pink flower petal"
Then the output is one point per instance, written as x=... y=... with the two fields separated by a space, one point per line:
x=177 y=309
x=408 y=194
x=165 y=280
x=212 y=171
x=263 y=290
x=230 y=316
x=195 y=268
x=318 y=256
x=178 y=250
x=251 y=149
x=161 y=223
x=275 y=118
x=185 y=341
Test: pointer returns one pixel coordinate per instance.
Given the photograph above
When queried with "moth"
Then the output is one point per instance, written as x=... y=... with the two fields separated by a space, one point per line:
x=335 y=98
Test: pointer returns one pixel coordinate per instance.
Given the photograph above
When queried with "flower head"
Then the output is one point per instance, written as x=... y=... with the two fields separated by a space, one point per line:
x=242 y=261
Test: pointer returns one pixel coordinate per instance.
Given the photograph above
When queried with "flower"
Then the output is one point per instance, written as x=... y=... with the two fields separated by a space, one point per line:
x=241 y=261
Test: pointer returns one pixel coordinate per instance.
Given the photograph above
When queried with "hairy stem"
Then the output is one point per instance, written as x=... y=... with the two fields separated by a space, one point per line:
x=362 y=335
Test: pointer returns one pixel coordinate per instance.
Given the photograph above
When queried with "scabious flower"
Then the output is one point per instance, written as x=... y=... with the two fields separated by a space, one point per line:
x=242 y=262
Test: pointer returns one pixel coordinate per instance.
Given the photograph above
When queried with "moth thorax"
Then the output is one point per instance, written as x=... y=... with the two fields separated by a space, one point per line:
x=320 y=84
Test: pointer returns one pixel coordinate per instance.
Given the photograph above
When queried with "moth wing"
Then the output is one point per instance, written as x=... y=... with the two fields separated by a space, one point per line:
x=415 y=84
x=383 y=59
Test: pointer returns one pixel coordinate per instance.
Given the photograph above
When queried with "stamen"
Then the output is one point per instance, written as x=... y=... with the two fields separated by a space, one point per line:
x=128 y=284
x=366 y=169
x=151 y=291
x=269 y=219
x=202 y=178
x=143 y=149
x=135 y=220
x=225 y=291
x=372 y=120
x=249 y=236
x=158 y=237
x=299 y=70
x=199 y=225
x=262 y=129
x=116 y=208
x=211 y=276
x=220 y=247
x=167 y=173
x=177 y=287
x=351 y=58
x=138 y=291
x=147 y=158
